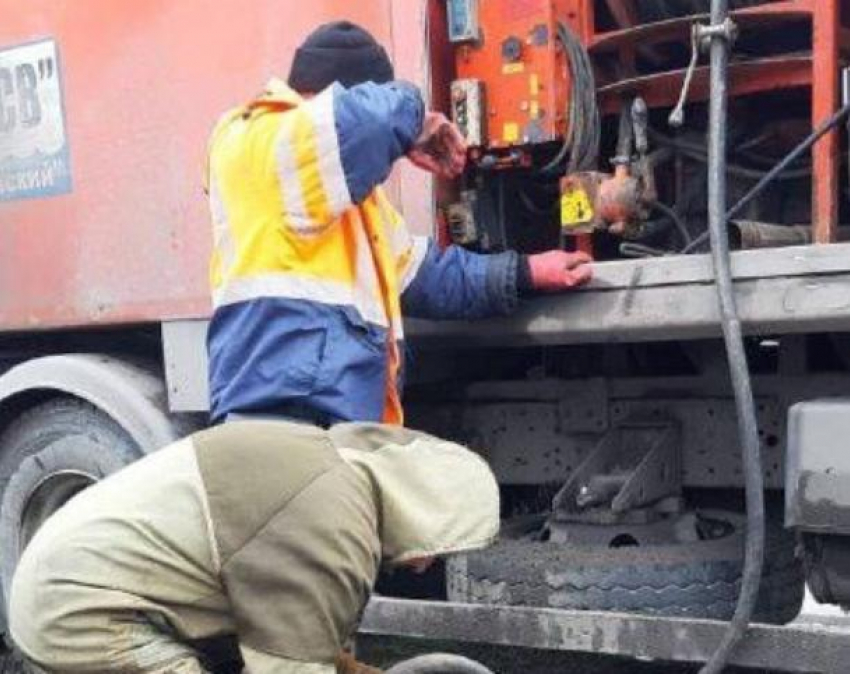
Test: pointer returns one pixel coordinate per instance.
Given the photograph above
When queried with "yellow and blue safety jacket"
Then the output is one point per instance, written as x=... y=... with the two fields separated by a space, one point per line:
x=312 y=266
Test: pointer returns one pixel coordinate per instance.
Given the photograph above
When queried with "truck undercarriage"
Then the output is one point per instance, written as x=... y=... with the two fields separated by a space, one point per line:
x=607 y=415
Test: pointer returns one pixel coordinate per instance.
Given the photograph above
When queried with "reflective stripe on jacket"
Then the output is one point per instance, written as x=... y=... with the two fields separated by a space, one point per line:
x=312 y=265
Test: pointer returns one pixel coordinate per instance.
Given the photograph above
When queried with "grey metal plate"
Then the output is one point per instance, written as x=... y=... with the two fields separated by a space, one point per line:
x=536 y=442
x=184 y=345
x=790 y=290
x=711 y=451
x=799 y=647
x=818 y=496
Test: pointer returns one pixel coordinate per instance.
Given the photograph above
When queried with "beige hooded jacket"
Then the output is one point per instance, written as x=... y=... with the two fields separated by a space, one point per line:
x=268 y=530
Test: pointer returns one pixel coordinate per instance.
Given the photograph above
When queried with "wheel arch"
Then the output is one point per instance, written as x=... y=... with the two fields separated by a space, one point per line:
x=133 y=394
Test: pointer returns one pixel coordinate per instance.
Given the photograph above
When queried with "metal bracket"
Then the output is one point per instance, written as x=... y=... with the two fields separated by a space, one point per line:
x=726 y=30
x=633 y=465
x=701 y=36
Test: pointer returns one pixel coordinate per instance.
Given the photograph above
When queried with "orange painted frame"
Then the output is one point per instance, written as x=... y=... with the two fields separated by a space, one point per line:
x=826 y=27
x=532 y=91
x=820 y=72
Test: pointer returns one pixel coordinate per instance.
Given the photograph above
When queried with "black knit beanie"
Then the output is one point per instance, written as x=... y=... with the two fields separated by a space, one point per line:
x=339 y=52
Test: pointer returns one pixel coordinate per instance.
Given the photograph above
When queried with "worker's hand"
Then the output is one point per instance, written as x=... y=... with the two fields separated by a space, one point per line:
x=558 y=270
x=440 y=148
x=346 y=663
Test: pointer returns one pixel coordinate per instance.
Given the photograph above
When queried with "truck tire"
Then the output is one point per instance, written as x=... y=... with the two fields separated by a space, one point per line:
x=439 y=663
x=696 y=580
x=11 y=662
x=47 y=455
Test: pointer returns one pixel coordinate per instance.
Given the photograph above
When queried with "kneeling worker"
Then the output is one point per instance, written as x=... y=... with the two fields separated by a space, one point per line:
x=269 y=531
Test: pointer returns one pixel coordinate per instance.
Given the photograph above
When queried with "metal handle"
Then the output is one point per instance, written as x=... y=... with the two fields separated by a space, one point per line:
x=677 y=116
x=700 y=35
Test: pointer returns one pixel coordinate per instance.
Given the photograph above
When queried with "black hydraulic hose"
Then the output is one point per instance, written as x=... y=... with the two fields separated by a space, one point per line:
x=639 y=250
x=697 y=153
x=824 y=128
x=678 y=223
x=735 y=353
x=583 y=133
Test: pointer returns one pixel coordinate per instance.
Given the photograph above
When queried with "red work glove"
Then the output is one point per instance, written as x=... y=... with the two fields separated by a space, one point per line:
x=440 y=148
x=557 y=270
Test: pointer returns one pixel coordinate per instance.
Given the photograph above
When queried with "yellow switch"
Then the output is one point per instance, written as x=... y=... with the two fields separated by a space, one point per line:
x=576 y=209
x=510 y=132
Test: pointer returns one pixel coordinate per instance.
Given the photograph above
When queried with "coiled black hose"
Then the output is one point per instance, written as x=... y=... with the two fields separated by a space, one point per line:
x=678 y=223
x=584 y=125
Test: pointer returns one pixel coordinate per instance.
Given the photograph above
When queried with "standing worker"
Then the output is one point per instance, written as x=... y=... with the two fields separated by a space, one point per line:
x=266 y=530
x=312 y=267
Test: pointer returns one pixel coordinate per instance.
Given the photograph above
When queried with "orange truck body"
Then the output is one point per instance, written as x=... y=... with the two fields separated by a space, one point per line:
x=532 y=87
x=119 y=232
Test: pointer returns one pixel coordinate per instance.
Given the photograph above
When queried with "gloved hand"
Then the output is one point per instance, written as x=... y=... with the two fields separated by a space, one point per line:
x=557 y=270
x=346 y=663
x=440 y=148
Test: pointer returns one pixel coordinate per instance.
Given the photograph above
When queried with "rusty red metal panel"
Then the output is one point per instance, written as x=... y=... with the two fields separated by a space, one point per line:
x=412 y=22
x=525 y=91
x=143 y=82
x=825 y=67
x=769 y=15
x=749 y=77
x=820 y=72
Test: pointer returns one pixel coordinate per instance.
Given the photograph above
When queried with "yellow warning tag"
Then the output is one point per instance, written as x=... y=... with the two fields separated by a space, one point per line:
x=534 y=84
x=512 y=68
x=510 y=132
x=534 y=110
x=576 y=209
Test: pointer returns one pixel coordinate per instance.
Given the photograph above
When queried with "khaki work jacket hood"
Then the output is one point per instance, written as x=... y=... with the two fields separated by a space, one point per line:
x=271 y=530
x=433 y=497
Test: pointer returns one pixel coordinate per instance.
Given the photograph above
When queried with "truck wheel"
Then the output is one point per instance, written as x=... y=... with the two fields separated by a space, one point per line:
x=439 y=663
x=695 y=580
x=47 y=455
x=11 y=662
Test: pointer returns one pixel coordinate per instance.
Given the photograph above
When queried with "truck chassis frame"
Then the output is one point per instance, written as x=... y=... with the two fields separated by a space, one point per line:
x=798 y=647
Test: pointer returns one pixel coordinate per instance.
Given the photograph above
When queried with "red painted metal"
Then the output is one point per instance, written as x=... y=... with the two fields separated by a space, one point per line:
x=143 y=84
x=525 y=95
x=819 y=72
x=145 y=81
x=414 y=23
x=679 y=29
x=825 y=68
x=584 y=243
x=758 y=76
